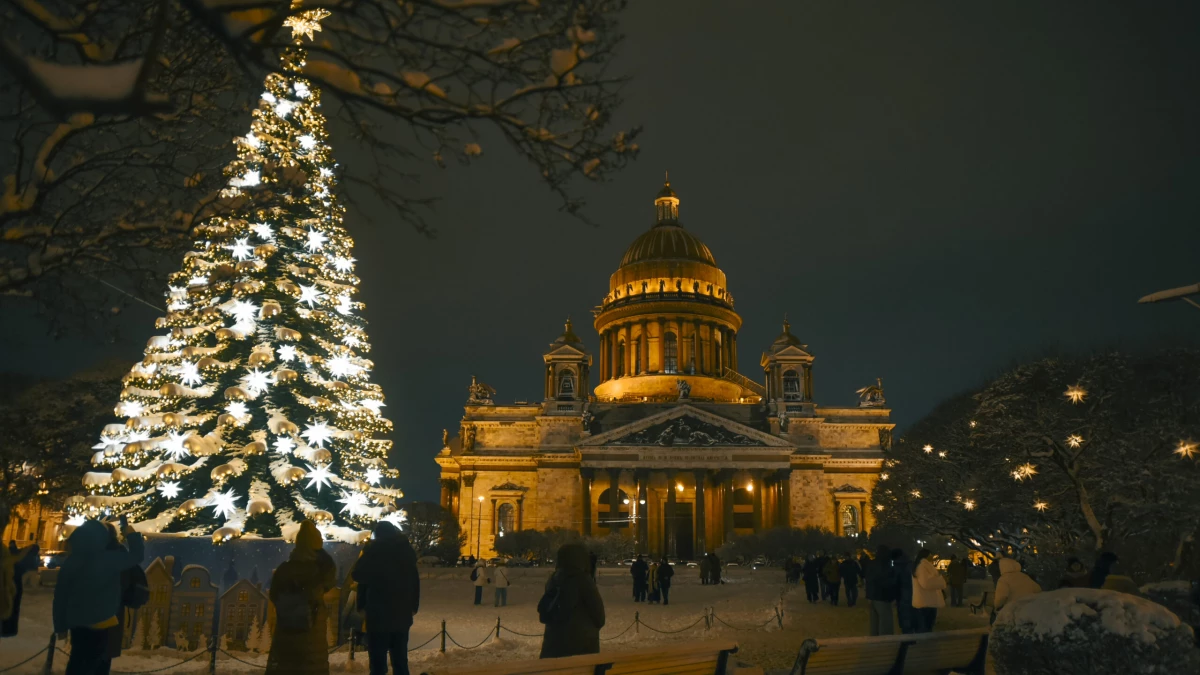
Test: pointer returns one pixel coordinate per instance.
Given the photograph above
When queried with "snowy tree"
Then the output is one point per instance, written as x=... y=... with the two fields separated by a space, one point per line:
x=433 y=530
x=264 y=639
x=255 y=636
x=46 y=433
x=108 y=100
x=254 y=409
x=1058 y=456
x=155 y=638
x=139 y=631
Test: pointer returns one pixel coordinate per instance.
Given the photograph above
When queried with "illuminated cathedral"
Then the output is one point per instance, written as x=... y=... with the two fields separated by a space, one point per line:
x=673 y=447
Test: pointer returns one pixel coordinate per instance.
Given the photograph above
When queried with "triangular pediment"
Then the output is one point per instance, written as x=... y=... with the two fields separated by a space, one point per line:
x=566 y=350
x=685 y=426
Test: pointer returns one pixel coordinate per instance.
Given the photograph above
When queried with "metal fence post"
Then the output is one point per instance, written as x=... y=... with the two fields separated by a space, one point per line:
x=443 y=650
x=636 y=621
x=353 y=635
x=497 y=628
x=212 y=662
x=50 y=655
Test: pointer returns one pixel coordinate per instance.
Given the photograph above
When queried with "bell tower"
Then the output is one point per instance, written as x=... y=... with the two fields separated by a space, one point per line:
x=568 y=366
x=788 y=369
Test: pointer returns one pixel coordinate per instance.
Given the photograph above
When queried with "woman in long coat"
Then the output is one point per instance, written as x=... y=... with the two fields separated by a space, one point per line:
x=571 y=607
x=306 y=575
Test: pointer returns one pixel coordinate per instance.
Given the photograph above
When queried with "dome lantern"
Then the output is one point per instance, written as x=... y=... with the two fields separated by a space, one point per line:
x=666 y=205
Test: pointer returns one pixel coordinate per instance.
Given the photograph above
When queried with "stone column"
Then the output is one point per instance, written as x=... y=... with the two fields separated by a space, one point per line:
x=808 y=383
x=495 y=523
x=645 y=347
x=614 y=498
x=733 y=351
x=669 y=516
x=701 y=367
x=681 y=350
x=785 y=497
x=614 y=336
x=662 y=345
x=701 y=529
x=627 y=361
x=756 y=498
x=727 y=503
x=520 y=513
x=585 y=491
x=643 y=523
x=444 y=499
x=603 y=358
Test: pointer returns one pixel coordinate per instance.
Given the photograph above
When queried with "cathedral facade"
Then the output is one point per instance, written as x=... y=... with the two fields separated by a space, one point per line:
x=674 y=447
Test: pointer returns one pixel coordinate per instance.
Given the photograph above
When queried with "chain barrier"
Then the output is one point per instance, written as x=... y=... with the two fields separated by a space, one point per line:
x=768 y=622
x=485 y=639
x=14 y=666
x=671 y=632
x=631 y=625
x=536 y=635
x=435 y=636
x=249 y=663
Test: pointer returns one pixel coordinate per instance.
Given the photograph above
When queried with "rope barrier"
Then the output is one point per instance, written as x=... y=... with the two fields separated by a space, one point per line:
x=249 y=663
x=156 y=670
x=435 y=636
x=521 y=634
x=485 y=639
x=631 y=625
x=672 y=632
x=18 y=665
x=764 y=625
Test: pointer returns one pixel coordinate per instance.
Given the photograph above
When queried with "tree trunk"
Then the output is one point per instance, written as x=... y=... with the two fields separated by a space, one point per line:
x=1086 y=507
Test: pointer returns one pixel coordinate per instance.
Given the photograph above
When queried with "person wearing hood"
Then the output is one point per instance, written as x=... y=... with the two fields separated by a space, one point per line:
x=389 y=586
x=87 y=596
x=298 y=588
x=571 y=607
x=927 y=587
x=479 y=579
x=903 y=578
x=14 y=565
x=1100 y=571
x=1115 y=581
x=1076 y=576
x=881 y=592
x=956 y=577
x=1013 y=583
x=665 y=572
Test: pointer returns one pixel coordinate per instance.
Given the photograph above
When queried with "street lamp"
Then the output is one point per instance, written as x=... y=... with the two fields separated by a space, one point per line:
x=479 y=528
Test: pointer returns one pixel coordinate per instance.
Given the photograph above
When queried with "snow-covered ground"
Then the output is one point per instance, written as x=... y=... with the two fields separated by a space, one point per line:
x=748 y=600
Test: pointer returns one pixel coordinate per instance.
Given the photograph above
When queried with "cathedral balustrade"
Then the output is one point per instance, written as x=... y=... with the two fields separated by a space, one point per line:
x=663 y=296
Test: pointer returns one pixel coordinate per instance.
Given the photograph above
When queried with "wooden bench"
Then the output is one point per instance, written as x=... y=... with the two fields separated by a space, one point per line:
x=694 y=658
x=959 y=651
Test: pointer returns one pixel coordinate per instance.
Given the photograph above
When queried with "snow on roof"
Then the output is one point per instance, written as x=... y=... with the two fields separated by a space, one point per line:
x=91 y=82
x=1048 y=615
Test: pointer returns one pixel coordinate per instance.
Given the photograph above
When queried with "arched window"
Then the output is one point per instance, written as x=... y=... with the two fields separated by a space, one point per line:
x=670 y=354
x=610 y=520
x=506 y=518
x=791 y=386
x=850 y=521
x=566 y=386
x=620 y=365
x=743 y=497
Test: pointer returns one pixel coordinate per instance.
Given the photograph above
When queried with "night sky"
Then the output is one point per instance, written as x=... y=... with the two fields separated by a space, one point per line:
x=929 y=191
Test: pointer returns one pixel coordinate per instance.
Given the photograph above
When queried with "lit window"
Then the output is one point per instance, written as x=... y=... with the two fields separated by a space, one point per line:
x=566 y=385
x=243 y=596
x=670 y=354
x=187 y=609
x=791 y=386
x=199 y=610
x=195 y=582
x=506 y=518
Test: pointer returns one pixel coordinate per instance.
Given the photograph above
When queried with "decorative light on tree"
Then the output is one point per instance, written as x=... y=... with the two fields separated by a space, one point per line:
x=1186 y=450
x=1075 y=393
x=1074 y=440
x=1040 y=505
x=254 y=328
x=928 y=449
x=916 y=494
x=1024 y=471
x=969 y=504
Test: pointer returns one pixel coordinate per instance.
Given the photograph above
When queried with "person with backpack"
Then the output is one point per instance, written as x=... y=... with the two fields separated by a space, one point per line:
x=571 y=607
x=479 y=579
x=664 y=581
x=881 y=592
x=833 y=579
x=389 y=590
x=298 y=587
x=498 y=580
x=851 y=573
x=87 y=595
x=15 y=563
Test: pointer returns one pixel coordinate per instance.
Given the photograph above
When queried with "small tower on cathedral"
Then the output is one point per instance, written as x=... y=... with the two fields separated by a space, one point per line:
x=788 y=368
x=568 y=366
x=666 y=205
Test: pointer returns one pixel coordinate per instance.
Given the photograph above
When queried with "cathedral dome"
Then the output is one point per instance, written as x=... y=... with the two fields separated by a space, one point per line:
x=668 y=241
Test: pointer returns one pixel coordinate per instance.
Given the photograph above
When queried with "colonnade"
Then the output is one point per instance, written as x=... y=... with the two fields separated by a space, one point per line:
x=709 y=347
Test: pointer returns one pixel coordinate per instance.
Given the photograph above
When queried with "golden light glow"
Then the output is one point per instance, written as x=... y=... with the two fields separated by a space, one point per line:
x=942 y=454
x=481 y=500
x=1040 y=505
x=1024 y=471
x=1186 y=450
x=306 y=23
x=883 y=476
x=1075 y=393
x=971 y=424
x=679 y=487
x=1074 y=440
x=749 y=487
x=969 y=504
x=879 y=507
x=916 y=493
x=928 y=449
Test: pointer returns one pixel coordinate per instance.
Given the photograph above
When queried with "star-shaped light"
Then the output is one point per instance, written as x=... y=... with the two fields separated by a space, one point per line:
x=237 y=409
x=169 y=489
x=374 y=475
x=189 y=373
x=325 y=172
x=173 y=446
x=344 y=305
x=318 y=476
x=251 y=179
x=969 y=504
x=883 y=476
x=928 y=449
x=243 y=312
x=342 y=264
x=307 y=141
x=342 y=366
x=284 y=445
x=372 y=404
x=240 y=249
x=269 y=97
x=1024 y=471
x=286 y=353
x=225 y=503
x=284 y=108
x=971 y=424
x=130 y=409
x=351 y=340
x=1186 y=450
x=315 y=240
x=311 y=294
x=306 y=23
x=942 y=454
x=318 y=434
x=355 y=503
x=109 y=443
x=397 y=518
x=879 y=507
x=263 y=230
x=916 y=494
x=302 y=89
x=1040 y=505
x=256 y=381
x=1074 y=440
x=1075 y=393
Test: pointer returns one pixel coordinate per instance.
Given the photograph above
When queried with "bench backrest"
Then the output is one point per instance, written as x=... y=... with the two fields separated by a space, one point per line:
x=960 y=650
x=693 y=658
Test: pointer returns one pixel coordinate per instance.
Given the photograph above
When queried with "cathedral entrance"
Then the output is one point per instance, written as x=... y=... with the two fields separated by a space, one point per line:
x=684 y=531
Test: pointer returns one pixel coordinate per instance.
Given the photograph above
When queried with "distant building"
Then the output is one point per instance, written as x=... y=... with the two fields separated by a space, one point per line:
x=241 y=606
x=32 y=523
x=192 y=603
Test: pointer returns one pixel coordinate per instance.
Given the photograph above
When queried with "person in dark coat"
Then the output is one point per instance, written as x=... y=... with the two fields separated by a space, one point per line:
x=716 y=568
x=833 y=579
x=705 y=569
x=298 y=589
x=593 y=560
x=116 y=634
x=390 y=588
x=956 y=578
x=1076 y=576
x=822 y=561
x=87 y=596
x=640 y=572
x=812 y=579
x=902 y=582
x=851 y=573
x=665 y=572
x=23 y=562
x=881 y=592
x=571 y=607
x=1101 y=570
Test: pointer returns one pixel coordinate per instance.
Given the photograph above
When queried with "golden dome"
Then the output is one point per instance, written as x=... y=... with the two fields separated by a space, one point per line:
x=668 y=241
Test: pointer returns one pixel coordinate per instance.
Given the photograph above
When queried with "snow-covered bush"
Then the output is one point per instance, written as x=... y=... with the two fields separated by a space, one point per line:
x=1176 y=596
x=1084 y=631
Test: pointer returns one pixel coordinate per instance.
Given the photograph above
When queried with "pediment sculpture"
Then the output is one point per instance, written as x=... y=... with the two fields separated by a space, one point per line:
x=685 y=431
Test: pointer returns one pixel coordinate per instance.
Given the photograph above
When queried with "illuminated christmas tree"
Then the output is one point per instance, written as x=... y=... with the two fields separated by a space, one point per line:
x=254 y=409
